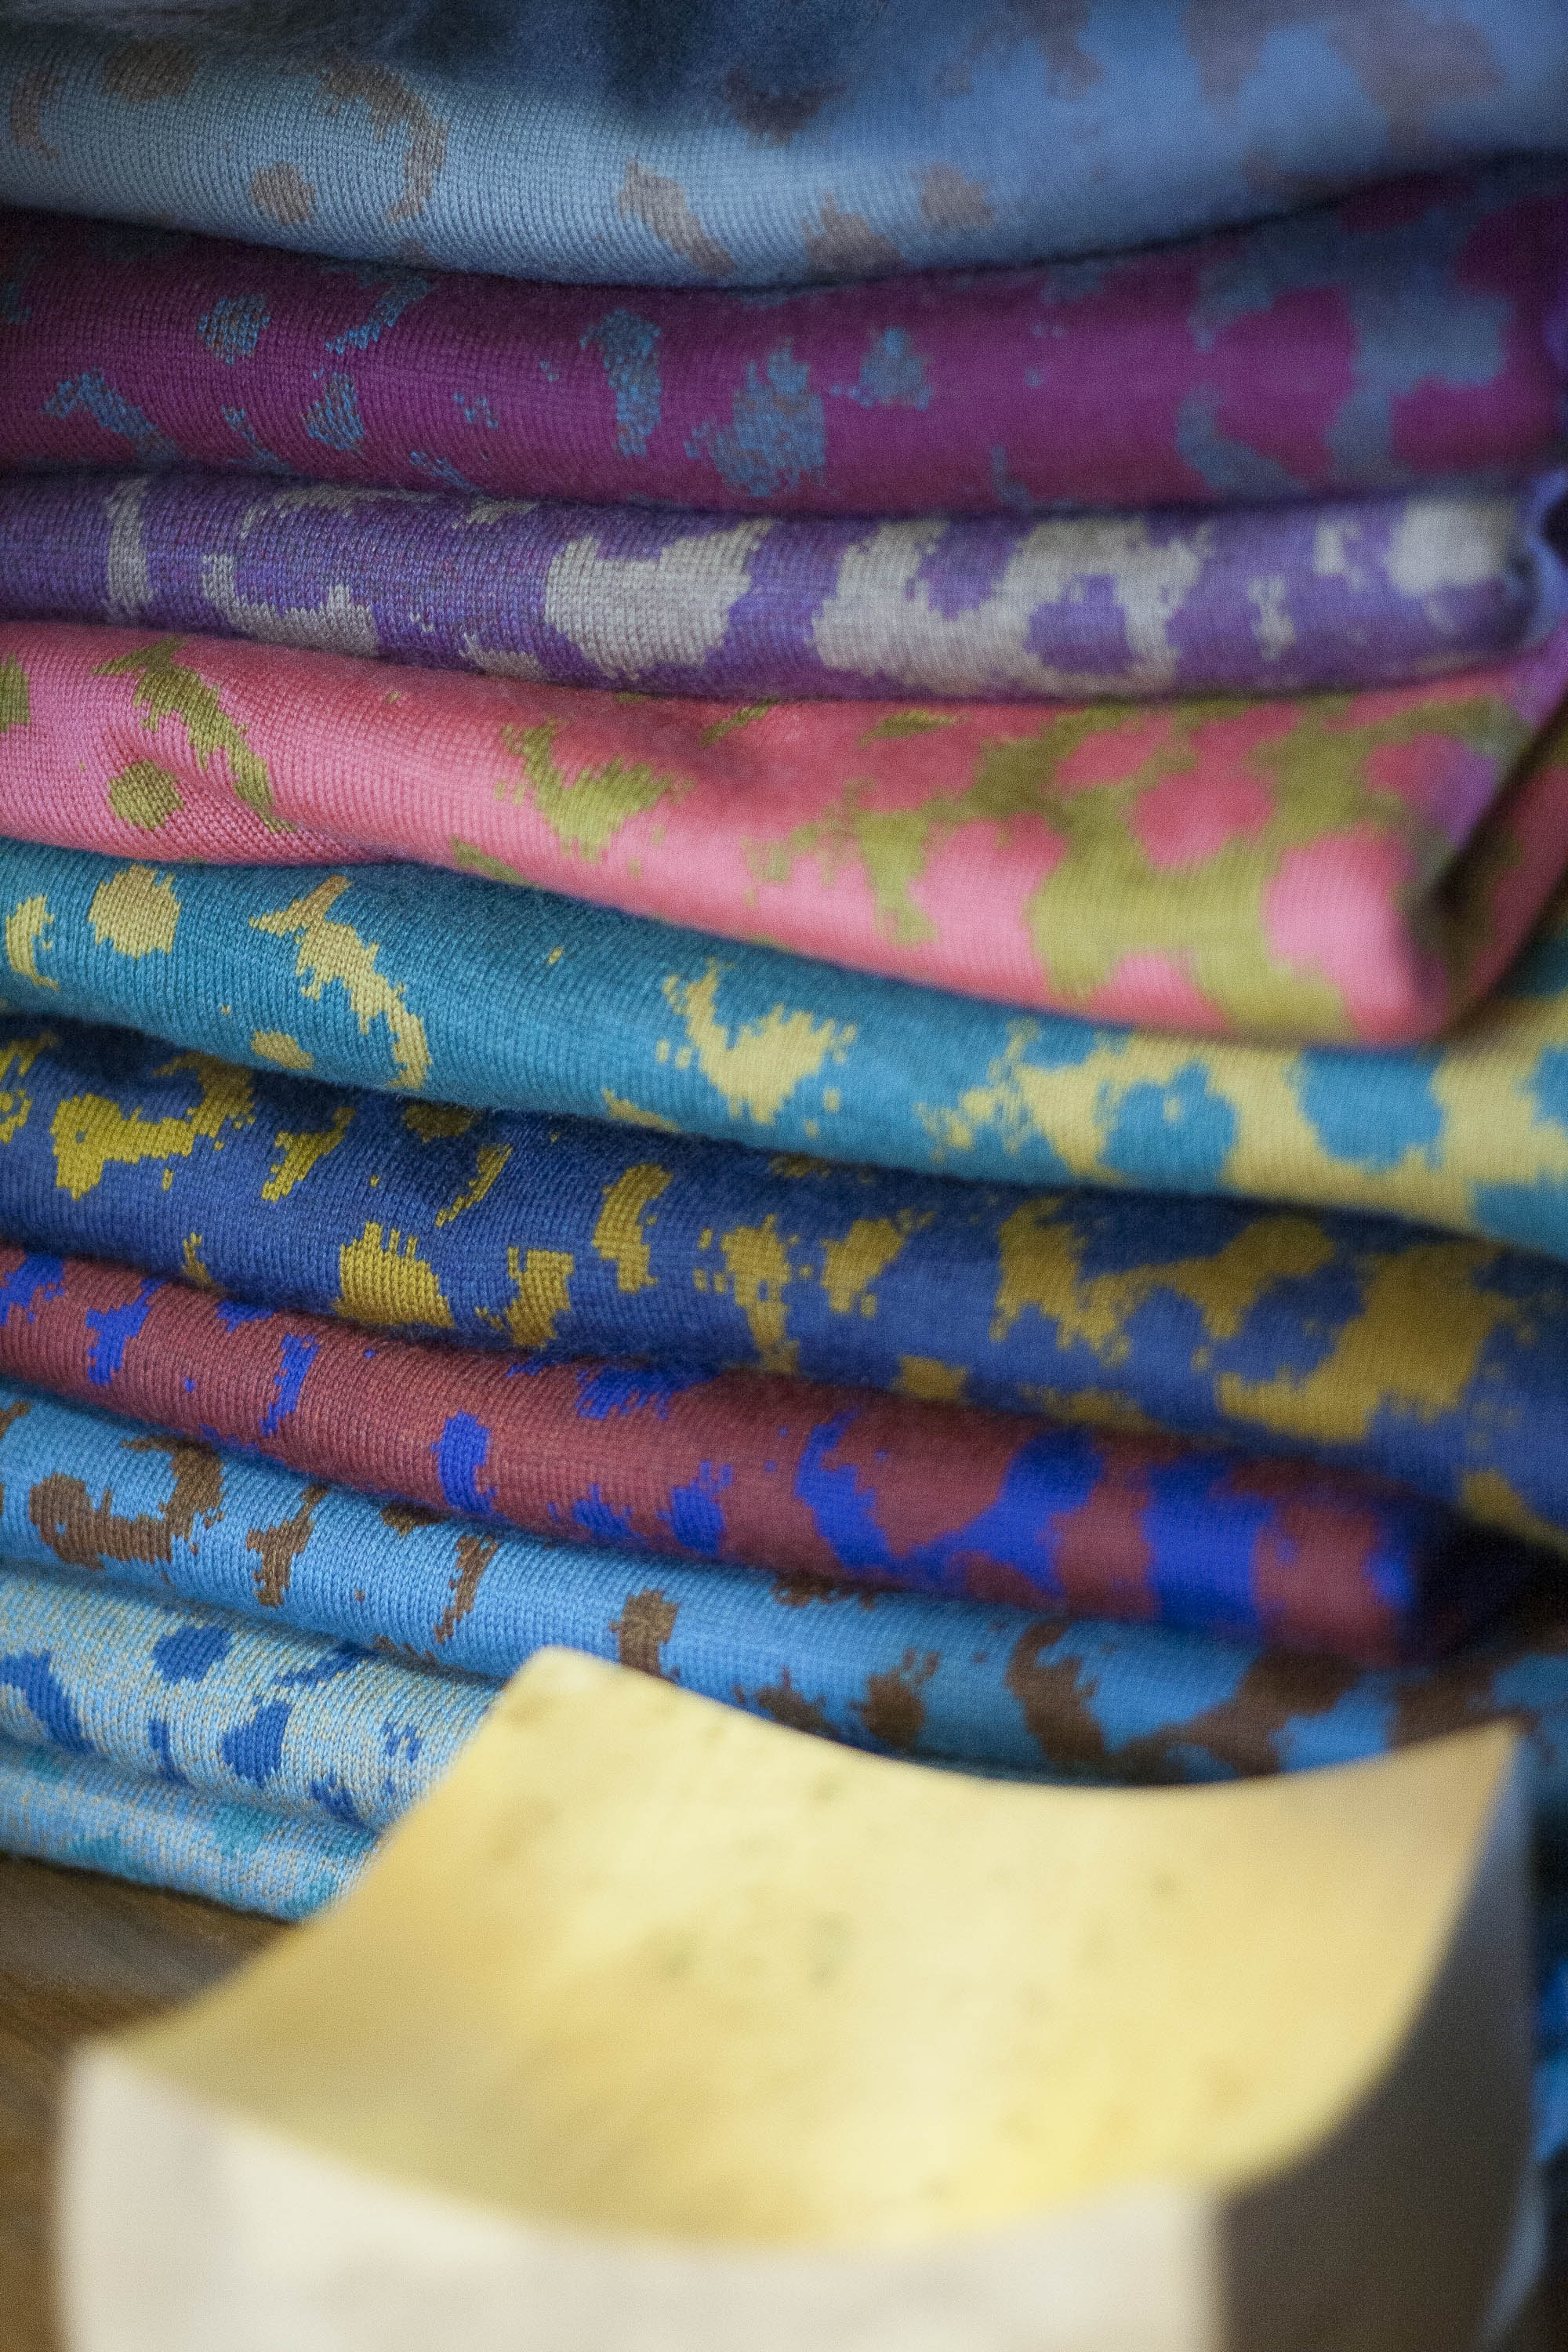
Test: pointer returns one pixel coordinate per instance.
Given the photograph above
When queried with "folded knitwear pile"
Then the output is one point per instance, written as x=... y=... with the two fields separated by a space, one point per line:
x=784 y=891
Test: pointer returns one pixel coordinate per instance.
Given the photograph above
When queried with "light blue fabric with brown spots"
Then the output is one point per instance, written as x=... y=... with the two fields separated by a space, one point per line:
x=832 y=139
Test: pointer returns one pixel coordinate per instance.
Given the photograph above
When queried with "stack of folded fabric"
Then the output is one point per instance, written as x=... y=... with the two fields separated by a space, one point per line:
x=772 y=906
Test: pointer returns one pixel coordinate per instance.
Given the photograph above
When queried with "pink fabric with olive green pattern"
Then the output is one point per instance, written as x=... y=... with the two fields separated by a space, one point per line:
x=1344 y=867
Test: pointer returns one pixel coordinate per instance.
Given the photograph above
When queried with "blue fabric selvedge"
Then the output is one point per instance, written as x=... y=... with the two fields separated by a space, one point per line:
x=81 y=1812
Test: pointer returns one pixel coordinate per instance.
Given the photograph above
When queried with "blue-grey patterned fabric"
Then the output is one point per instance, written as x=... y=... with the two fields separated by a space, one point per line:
x=641 y=140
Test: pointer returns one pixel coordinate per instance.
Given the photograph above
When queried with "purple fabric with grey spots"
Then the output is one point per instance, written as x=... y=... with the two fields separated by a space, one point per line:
x=1324 y=594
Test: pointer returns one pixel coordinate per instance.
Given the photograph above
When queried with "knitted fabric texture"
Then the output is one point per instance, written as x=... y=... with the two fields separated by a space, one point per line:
x=733 y=1467
x=95 y=1668
x=261 y=1734
x=82 y=1813
x=199 y=1654
x=1239 y=601
x=1370 y=1345
x=1271 y=364
x=1285 y=868
x=444 y=987
x=64 y=1802
x=280 y=1718
x=838 y=139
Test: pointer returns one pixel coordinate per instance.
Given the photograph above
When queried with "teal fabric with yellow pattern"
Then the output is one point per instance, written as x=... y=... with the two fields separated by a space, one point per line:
x=446 y=987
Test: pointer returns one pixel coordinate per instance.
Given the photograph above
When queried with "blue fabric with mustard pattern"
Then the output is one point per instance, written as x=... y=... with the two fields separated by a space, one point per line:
x=1360 y=1340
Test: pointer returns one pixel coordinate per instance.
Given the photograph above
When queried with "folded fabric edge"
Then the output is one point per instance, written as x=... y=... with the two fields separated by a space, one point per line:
x=750 y=821
x=543 y=1003
x=1089 y=1522
x=714 y=192
x=87 y=1813
x=82 y=1813
x=1151 y=604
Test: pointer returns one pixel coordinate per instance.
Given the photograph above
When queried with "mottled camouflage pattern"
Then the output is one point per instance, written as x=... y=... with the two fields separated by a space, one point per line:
x=1367 y=1344
x=349 y=1702
x=1250 y=600
x=1273 y=364
x=834 y=139
x=523 y=1001
x=734 y=1468
x=1345 y=867
x=181 y=1746
x=280 y=1718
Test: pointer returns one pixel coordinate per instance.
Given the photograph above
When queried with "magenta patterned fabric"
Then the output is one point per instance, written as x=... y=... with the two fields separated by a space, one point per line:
x=1406 y=335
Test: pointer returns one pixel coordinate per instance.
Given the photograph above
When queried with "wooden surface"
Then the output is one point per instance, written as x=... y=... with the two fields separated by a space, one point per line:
x=81 y=1954
x=78 y=1954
